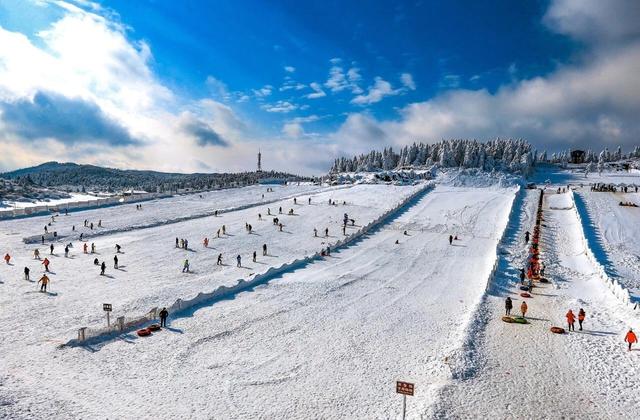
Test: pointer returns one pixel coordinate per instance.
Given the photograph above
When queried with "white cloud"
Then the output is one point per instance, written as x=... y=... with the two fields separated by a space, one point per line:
x=317 y=91
x=293 y=130
x=263 y=92
x=339 y=81
x=289 y=69
x=218 y=88
x=376 y=93
x=449 y=81
x=280 y=106
x=407 y=81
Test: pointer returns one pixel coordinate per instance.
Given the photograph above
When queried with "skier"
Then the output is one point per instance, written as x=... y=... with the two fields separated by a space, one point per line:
x=185 y=266
x=26 y=273
x=571 y=320
x=103 y=267
x=85 y=247
x=315 y=232
x=224 y=230
x=100 y=223
x=45 y=229
x=81 y=235
x=268 y=211
x=259 y=216
x=96 y=262
x=523 y=308
x=44 y=280
x=264 y=249
x=186 y=244
x=91 y=226
x=206 y=242
x=46 y=264
x=250 y=229
x=450 y=239
x=118 y=247
x=218 y=233
x=326 y=232
x=295 y=200
x=66 y=251
x=344 y=230
x=7 y=258
x=254 y=256
x=309 y=200
x=36 y=254
x=93 y=248
x=328 y=250
x=163 y=317
x=239 y=259
x=526 y=237
x=115 y=262
x=182 y=243
x=630 y=338
x=508 y=305
x=280 y=226
x=219 y=262
x=42 y=239
x=581 y=316
x=177 y=242
x=51 y=249
x=280 y=210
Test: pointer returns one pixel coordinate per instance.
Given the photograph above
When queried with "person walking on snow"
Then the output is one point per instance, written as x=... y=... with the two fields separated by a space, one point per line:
x=315 y=232
x=115 y=262
x=7 y=258
x=264 y=250
x=571 y=320
x=219 y=262
x=206 y=242
x=581 y=316
x=51 y=249
x=66 y=251
x=255 y=254
x=630 y=338
x=239 y=259
x=46 y=264
x=26 y=273
x=326 y=232
x=93 y=248
x=85 y=247
x=523 y=308
x=185 y=266
x=103 y=267
x=522 y=276
x=45 y=281
x=526 y=237
x=177 y=242
x=118 y=247
x=163 y=317
x=36 y=254
x=450 y=239
x=508 y=305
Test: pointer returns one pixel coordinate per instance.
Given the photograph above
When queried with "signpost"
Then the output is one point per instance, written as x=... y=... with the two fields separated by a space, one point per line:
x=107 y=308
x=404 y=388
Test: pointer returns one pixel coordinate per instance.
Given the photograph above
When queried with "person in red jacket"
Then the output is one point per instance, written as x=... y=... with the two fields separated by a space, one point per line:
x=581 y=316
x=630 y=338
x=46 y=264
x=571 y=320
x=7 y=258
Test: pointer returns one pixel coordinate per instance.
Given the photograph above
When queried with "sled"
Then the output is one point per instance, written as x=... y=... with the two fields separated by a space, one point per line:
x=145 y=332
x=520 y=320
x=524 y=288
x=543 y=280
x=154 y=327
x=525 y=295
x=557 y=330
x=507 y=319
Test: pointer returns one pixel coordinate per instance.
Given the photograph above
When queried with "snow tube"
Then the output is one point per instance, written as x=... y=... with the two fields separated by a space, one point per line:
x=525 y=288
x=144 y=332
x=525 y=295
x=543 y=280
x=557 y=330
x=154 y=327
x=507 y=319
x=520 y=320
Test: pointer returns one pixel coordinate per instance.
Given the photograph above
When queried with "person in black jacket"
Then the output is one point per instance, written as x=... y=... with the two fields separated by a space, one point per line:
x=508 y=305
x=163 y=317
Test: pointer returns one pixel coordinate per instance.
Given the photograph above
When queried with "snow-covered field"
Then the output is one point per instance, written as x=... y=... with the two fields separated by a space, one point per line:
x=328 y=338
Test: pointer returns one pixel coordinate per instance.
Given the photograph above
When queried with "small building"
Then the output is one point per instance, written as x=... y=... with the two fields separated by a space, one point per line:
x=577 y=156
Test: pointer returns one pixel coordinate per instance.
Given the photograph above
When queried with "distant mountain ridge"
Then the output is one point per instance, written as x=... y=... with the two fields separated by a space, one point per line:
x=76 y=176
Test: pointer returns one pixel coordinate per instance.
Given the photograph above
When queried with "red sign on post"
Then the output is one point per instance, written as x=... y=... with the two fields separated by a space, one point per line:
x=404 y=388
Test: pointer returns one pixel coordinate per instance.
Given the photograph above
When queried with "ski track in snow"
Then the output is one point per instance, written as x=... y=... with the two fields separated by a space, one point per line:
x=525 y=371
x=327 y=340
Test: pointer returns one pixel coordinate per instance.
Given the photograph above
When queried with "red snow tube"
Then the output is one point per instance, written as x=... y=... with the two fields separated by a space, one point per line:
x=154 y=327
x=525 y=294
x=145 y=332
x=557 y=330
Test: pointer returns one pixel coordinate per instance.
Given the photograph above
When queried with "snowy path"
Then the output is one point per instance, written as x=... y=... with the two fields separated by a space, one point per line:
x=524 y=371
x=326 y=341
x=616 y=230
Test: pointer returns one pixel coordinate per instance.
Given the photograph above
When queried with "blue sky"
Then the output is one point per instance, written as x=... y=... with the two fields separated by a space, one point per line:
x=201 y=85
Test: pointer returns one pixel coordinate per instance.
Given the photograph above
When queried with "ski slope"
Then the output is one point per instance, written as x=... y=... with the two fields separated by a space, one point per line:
x=616 y=234
x=525 y=371
x=327 y=340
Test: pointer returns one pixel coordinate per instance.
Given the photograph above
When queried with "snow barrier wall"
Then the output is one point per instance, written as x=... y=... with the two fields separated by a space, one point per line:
x=125 y=323
x=494 y=269
x=616 y=288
